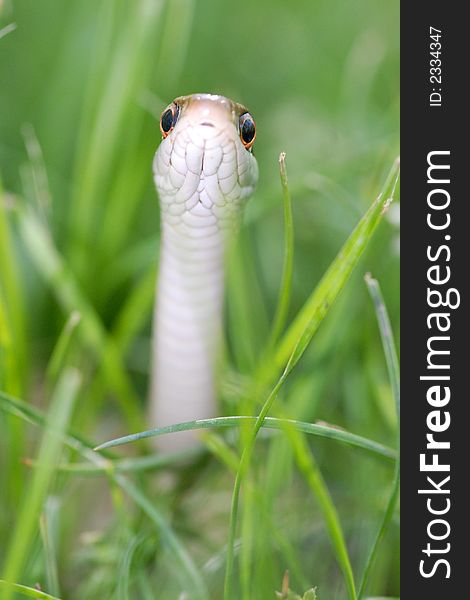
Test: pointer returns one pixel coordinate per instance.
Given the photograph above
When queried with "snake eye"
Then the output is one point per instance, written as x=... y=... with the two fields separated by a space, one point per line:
x=168 y=119
x=247 y=130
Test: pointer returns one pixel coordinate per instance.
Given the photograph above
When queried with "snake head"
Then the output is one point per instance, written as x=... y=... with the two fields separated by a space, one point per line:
x=205 y=161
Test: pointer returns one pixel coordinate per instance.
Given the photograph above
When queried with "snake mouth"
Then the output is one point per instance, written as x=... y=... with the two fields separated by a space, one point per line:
x=207 y=124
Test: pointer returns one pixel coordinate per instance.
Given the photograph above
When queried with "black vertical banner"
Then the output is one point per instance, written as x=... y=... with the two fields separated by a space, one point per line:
x=435 y=353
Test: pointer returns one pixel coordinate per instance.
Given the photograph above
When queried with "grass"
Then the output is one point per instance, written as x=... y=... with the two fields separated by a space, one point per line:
x=299 y=336
x=394 y=375
x=63 y=400
x=308 y=425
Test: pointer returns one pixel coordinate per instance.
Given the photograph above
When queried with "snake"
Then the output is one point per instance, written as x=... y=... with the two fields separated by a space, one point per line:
x=204 y=171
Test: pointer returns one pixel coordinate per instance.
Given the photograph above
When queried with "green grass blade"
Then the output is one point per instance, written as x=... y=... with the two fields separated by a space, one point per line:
x=175 y=40
x=124 y=577
x=57 y=360
x=286 y=280
x=241 y=473
x=26 y=591
x=135 y=311
x=249 y=523
x=40 y=195
x=303 y=327
x=297 y=338
x=7 y=29
x=394 y=376
x=7 y=366
x=308 y=466
x=12 y=303
x=227 y=456
x=49 y=535
x=150 y=462
x=60 y=413
x=324 y=431
x=388 y=342
x=247 y=320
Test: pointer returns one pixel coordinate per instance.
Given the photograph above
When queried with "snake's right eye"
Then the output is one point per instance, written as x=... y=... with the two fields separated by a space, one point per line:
x=247 y=130
x=168 y=119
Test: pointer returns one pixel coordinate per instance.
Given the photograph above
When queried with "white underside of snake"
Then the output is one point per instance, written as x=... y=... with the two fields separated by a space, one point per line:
x=204 y=172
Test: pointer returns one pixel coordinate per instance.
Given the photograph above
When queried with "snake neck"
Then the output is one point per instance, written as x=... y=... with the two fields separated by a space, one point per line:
x=204 y=172
x=187 y=325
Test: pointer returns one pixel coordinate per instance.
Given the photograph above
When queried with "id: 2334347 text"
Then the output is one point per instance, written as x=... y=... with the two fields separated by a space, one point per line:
x=435 y=66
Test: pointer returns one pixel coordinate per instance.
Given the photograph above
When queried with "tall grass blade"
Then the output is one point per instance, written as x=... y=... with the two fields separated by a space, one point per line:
x=324 y=431
x=391 y=359
x=12 y=334
x=7 y=29
x=58 y=357
x=175 y=39
x=49 y=535
x=124 y=577
x=40 y=192
x=227 y=456
x=299 y=333
x=286 y=280
x=26 y=591
x=150 y=462
x=313 y=476
x=59 y=416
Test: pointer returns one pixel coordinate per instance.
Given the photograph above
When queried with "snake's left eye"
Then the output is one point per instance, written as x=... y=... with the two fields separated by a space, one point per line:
x=168 y=119
x=247 y=130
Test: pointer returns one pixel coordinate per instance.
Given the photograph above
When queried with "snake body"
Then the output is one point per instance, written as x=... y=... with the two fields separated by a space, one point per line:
x=204 y=172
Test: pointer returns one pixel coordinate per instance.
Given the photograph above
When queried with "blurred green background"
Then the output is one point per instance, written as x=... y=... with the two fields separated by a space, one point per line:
x=82 y=87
